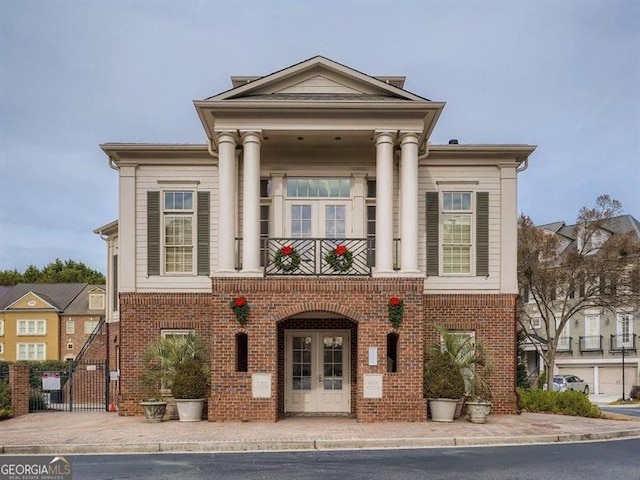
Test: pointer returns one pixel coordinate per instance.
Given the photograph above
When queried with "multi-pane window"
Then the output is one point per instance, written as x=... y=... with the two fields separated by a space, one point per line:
x=71 y=327
x=1 y=328
x=457 y=232
x=90 y=326
x=96 y=301
x=176 y=333
x=335 y=221
x=31 y=351
x=301 y=221
x=318 y=188
x=32 y=327
x=178 y=232
x=1 y=348
x=625 y=330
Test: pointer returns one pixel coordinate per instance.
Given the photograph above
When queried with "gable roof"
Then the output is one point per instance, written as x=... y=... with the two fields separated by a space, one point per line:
x=254 y=87
x=80 y=304
x=59 y=295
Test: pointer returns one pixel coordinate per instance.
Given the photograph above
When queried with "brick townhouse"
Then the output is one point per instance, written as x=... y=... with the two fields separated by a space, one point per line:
x=317 y=199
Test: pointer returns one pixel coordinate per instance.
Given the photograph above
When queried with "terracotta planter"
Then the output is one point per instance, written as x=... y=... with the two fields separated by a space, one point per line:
x=442 y=409
x=190 y=410
x=153 y=411
x=478 y=411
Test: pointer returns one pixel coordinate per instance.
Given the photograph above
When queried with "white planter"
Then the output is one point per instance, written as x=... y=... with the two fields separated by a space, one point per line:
x=190 y=410
x=478 y=411
x=442 y=409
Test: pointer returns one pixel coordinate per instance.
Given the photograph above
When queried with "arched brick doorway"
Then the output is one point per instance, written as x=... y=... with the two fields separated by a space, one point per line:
x=322 y=334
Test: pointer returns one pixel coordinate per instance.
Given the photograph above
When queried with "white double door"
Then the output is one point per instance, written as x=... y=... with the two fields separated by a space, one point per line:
x=318 y=219
x=317 y=371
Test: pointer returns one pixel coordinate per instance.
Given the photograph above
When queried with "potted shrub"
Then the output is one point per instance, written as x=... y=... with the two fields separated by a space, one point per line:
x=189 y=389
x=480 y=396
x=443 y=386
x=153 y=405
x=168 y=360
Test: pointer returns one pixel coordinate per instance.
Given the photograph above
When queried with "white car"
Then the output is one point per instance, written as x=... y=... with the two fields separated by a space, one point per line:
x=562 y=383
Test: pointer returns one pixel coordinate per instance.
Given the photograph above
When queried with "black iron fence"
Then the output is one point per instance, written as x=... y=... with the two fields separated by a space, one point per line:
x=590 y=343
x=618 y=342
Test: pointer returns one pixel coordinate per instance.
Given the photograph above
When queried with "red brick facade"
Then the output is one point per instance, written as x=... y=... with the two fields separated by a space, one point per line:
x=279 y=304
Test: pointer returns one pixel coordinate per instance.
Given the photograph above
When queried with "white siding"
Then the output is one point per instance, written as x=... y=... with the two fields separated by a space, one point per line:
x=150 y=178
x=488 y=180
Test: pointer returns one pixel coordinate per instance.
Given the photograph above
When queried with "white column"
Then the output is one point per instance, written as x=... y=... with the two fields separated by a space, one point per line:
x=251 y=141
x=508 y=230
x=409 y=203
x=384 y=202
x=127 y=229
x=227 y=193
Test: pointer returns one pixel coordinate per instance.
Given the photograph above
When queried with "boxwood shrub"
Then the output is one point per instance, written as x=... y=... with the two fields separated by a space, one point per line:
x=569 y=402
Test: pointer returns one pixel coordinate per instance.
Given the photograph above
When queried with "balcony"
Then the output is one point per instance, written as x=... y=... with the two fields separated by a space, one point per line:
x=564 y=345
x=309 y=256
x=591 y=343
x=618 y=342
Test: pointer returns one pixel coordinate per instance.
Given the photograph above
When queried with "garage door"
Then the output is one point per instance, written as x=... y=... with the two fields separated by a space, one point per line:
x=585 y=373
x=611 y=380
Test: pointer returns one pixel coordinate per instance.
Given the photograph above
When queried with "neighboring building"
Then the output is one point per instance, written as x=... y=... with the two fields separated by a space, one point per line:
x=317 y=197
x=48 y=321
x=591 y=344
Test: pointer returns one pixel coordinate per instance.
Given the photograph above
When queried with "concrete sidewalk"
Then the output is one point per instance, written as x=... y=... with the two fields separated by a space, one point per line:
x=101 y=432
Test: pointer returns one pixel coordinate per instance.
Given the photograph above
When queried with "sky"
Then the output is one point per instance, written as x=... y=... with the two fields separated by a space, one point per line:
x=562 y=75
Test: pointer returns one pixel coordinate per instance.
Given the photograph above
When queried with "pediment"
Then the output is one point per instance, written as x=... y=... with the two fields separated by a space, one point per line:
x=31 y=301
x=321 y=78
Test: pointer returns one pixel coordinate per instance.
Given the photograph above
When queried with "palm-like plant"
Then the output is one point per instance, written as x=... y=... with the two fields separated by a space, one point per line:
x=164 y=358
x=469 y=355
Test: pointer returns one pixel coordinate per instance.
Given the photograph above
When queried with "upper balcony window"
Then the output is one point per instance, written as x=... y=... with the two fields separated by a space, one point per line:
x=179 y=233
x=456 y=238
x=318 y=188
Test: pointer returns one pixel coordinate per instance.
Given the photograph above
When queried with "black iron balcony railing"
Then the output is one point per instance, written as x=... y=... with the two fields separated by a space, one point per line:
x=618 y=342
x=564 y=345
x=311 y=257
x=592 y=343
x=313 y=252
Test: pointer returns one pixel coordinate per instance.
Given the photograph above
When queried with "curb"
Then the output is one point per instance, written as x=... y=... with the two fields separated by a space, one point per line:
x=310 y=445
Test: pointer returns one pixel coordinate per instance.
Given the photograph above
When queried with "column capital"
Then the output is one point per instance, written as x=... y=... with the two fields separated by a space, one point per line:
x=227 y=136
x=251 y=136
x=409 y=137
x=384 y=136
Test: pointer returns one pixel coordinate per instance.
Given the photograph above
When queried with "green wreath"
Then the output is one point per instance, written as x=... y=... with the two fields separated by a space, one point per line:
x=340 y=259
x=287 y=259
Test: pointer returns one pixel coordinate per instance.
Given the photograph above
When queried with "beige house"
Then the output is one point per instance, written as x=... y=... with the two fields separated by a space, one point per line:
x=593 y=343
x=316 y=197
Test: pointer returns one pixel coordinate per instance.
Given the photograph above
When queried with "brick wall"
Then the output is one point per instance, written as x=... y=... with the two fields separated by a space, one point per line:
x=276 y=304
x=19 y=385
x=493 y=318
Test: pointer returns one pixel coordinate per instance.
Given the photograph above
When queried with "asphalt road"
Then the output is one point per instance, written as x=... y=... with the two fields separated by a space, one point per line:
x=632 y=411
x=606 y=460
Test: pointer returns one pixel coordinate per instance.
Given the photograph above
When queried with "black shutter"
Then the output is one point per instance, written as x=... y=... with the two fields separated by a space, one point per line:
x=482 y=234
x=203 y=233
x=433 y=246
x=153 y=233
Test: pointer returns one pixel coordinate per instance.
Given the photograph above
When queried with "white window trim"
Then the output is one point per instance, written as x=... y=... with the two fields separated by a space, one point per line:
x=166 y=213
x=30 y=334
x=536 y=322
x=26 y=347
x=1 y=348
x=171 y=332
x=1 y=328
x=72 y=330
x=89 y=322
x=96 y=297
x=619 y=316
x=461 y=188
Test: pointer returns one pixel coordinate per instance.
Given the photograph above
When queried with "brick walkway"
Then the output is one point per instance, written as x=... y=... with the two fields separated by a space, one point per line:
x=63 y=432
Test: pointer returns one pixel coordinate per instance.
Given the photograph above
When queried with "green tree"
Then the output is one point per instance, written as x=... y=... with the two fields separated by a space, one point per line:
x=10 y=277
x=69 y=271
